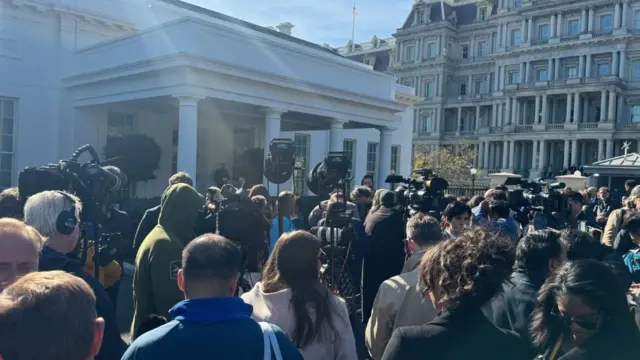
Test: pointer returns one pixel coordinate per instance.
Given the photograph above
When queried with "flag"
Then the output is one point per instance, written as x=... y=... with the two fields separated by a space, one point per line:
x=355 y=11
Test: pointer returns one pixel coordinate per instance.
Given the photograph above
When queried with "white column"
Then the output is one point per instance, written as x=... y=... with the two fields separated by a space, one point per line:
x=552 y=27
x=614 y=63
x=522 y=74
x=486 y=155
x=625 y=14
x=523 y=30
x=273 y=119
x=534 y=164
x=545 y=110
x=559 y=25
x=590 y=22
x=500 y=120
x=557 y=74
x=612 y=106
x=623 y=65
x=188 y=135
x=600 y=149
x=554 y=110
x=385 y=153
x=530 y=31
x=536 y=114
x=459 y=120
x=523 y=155
x=508 y=112
x=530 y=78
x=499 y=37
x=478 y=158
x=512 y=154
x=574 y=152
x=494 y=115
x=551 y=75
x=581 y=66
x=567 y=118
x=583 y=21
x=616 y=16
x=585 y=110
x=587 y=71
x=503 y=78
x=477 y=117
x=566 y=154
x=505 y=154
x=603 y=106
x=609 y=148
x=576 y=109
x=543 y=154
x=336 y=135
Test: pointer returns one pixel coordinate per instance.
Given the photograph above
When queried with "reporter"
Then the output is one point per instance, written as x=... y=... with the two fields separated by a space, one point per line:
x=583 y=308
x=460 y=277
x=291 y=296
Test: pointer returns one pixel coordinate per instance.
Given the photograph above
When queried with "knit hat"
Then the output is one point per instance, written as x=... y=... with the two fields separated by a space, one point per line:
x=387 y=198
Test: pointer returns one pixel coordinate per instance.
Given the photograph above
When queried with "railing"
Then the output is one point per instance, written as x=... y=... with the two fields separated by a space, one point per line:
x=570 y=37
x=628 y=126
x=602 y=33
x=466 y=132
x=524 y=128
x=449 y=133
x=429 y=58
x=554 y=127
x=559 y=82
x=588 y=126
x=539 y=41
x=495 y=130
x=468 y=190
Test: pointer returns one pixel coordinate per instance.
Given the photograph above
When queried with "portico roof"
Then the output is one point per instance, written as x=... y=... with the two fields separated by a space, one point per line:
x=623 y=165
x=224 y=60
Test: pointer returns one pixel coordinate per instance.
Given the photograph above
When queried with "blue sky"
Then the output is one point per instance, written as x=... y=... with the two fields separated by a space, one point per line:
x=320 y=21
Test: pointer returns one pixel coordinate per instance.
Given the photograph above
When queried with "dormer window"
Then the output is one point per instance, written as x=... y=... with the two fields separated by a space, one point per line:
x=419 y=17
x=482 y=14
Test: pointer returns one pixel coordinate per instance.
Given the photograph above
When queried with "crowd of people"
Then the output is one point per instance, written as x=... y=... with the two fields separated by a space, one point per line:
x=237 y=274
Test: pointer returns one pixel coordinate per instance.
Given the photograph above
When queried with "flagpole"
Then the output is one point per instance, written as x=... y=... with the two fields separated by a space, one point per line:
x=353 y=28
x=444 y=46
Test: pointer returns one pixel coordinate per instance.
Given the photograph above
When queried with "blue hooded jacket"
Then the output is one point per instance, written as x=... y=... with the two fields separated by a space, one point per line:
x=216 y=328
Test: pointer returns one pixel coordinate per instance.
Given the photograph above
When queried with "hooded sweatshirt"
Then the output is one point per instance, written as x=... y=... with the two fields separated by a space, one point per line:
x=155 y=288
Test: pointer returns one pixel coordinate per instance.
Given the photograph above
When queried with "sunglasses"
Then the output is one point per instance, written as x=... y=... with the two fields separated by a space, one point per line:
x=591 y=324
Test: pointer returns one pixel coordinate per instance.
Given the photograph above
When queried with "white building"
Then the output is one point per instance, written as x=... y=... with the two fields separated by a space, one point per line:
x=537 y=86
x=204 y=85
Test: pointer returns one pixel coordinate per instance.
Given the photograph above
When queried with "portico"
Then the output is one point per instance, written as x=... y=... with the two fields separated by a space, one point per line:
x=207 y=79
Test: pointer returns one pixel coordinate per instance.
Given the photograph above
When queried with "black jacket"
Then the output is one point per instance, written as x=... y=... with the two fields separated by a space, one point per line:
x=512 y=309
x=463 y=333
x=148 y=222
x=112 y=344
x=385 y=258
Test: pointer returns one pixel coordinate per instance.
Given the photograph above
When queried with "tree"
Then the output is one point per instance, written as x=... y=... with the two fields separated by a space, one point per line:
x=137 y=155
x=452 y=166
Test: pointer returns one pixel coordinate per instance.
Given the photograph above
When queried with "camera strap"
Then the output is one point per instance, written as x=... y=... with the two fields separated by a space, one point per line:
x=270 y=342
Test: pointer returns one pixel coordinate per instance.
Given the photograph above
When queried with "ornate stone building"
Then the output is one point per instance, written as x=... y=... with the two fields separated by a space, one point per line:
x=535 y=86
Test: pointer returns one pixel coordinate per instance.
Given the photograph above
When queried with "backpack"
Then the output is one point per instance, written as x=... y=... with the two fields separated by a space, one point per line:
x=271 y=346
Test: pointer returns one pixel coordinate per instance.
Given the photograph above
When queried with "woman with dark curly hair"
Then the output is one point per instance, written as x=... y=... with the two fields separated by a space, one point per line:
x=460 y=277
x=582 y=313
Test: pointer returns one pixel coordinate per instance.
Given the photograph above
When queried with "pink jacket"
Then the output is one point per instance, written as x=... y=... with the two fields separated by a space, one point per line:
x=275 y=309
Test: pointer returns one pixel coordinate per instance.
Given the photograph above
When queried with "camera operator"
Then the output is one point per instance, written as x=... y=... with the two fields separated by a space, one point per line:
x=385 y=259
x=56 y=215
x=575 y=201
x=319 y=211
x=150 y=217
x=605 y=205
x=206 y=222
x=498 y=218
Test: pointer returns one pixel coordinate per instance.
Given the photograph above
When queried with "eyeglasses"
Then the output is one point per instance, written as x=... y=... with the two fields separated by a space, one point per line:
x=587 y=324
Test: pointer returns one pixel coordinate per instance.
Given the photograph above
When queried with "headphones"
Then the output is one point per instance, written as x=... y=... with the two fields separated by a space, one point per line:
x=67 y=220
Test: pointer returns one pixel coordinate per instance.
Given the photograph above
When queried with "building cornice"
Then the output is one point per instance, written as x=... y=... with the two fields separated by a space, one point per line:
x=79 y=14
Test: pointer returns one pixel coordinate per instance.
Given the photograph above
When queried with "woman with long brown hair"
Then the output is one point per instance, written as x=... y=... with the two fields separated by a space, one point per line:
x=292 y=297
x=262 y=191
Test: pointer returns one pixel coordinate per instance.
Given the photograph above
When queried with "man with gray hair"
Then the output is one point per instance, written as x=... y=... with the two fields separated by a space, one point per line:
x=56 y=215
x=399 y=301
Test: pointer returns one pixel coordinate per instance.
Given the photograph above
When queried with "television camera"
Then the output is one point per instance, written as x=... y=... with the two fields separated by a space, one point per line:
x=543 y=203
x=91 y=183
x=422 y=191
x=337 y=234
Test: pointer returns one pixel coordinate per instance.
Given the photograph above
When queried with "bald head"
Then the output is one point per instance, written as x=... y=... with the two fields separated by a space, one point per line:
x=19 y=250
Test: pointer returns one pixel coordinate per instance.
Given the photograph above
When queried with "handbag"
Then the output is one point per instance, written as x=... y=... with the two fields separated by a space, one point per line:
x=270 y=342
